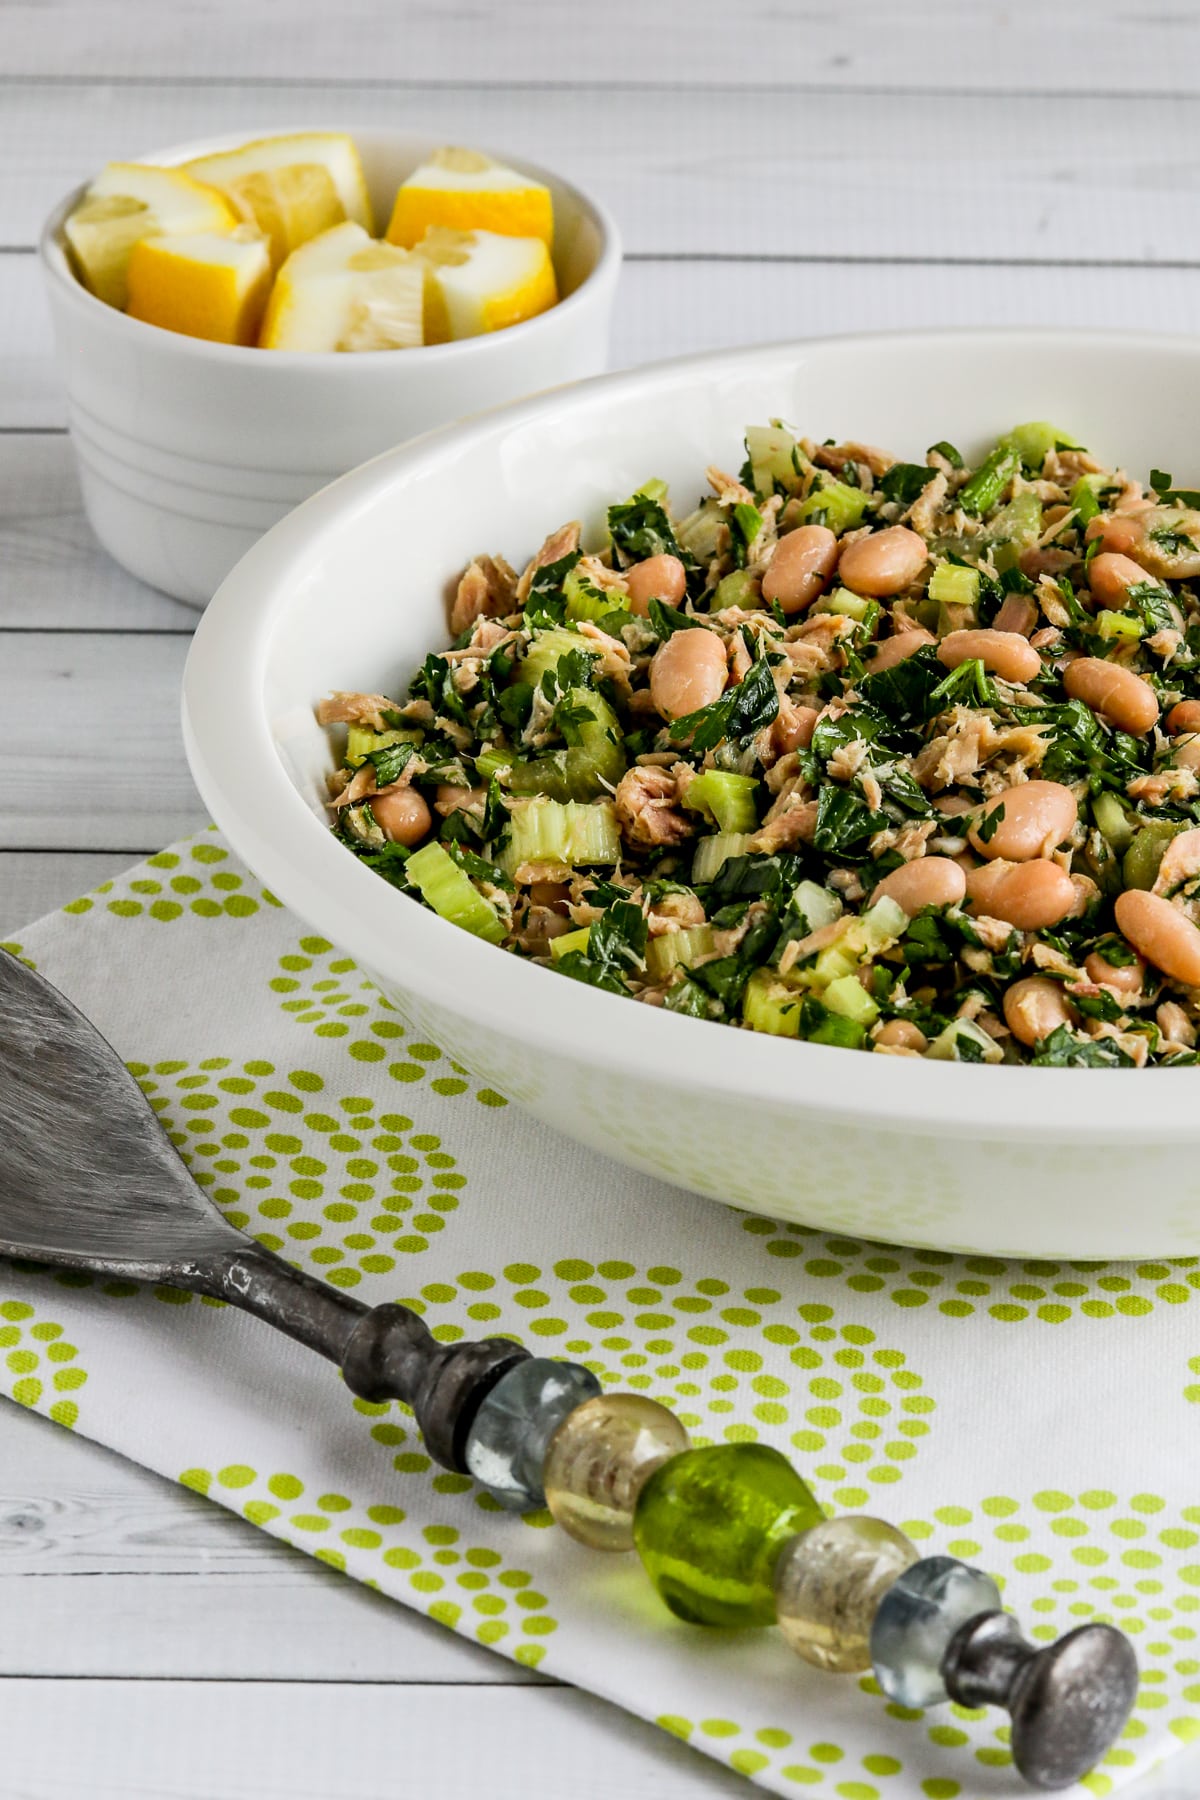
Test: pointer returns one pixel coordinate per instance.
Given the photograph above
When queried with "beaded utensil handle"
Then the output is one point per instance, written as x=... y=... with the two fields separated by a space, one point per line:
x=730 y=1534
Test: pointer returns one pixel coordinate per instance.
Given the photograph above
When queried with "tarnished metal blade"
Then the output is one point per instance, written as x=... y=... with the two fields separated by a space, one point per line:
x=87 y=1176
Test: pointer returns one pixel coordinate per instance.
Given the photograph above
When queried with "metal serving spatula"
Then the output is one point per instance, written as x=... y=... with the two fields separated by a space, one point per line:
x=89 y=1180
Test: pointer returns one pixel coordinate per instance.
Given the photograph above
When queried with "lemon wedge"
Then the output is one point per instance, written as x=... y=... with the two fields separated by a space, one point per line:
x=485 y=281
x=206 y=284
x=467 y=191
x=128 y=202
x=292 y=188
x=344 y=291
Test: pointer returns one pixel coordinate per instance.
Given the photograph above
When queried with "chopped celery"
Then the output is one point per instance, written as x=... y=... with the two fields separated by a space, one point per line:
x=963 y=1035
x=654 y=489
x=1112 y=624
x=881 y=926
x=698 y=534
x=678 y=949
x=550 y=831
x=832 y=964
x=1147 y=850
x=952 y=585
x=711 y=852
x=845 y=1034
x=835 y=504
x=990 y=479
x=1020 y=522
x=768 y=1005
x=773 y=458
x=586 y=601
x=492 y=762
x=728 y=798
x=361 y=742
x=1083 y=498
x=817 y=905
x=593 y=765
x=570 y=940
x=1034 y=442
x=863 y=937
x=547 y=651
x=848 y=997
x=1112 y=821
x=850 y=606
x=737 y=589
x=449 y=891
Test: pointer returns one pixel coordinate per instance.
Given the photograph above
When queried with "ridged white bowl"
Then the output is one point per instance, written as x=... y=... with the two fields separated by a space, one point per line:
x=188 y=451
x=349 y=592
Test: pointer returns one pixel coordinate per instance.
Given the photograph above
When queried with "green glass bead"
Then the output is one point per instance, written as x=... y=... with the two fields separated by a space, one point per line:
x=709 y=1526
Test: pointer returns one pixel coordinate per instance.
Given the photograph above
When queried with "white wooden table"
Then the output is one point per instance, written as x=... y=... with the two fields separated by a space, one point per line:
x=778 y=169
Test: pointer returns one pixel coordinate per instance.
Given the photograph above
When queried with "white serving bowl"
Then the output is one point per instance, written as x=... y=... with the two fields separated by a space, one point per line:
x=188 y=451
x=349 y=592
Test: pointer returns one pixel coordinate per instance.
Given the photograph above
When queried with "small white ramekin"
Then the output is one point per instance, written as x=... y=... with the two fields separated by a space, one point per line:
x=188 y=451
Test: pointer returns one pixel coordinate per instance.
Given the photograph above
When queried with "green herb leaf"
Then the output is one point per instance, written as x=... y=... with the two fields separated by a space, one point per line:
x=434 y=681
x=616 y=948
x=745 y=523
x=906 y=691
x=990 y=824
x=667 y=620
x=753 y=877
x=388 y=862
x=845 y=822
x=1063 y=1050
x=859 y=722
x=390 y=762
x=1172 y=541
x=546 y=604
x=903 y=482
x=737 y=716
x=639 y=528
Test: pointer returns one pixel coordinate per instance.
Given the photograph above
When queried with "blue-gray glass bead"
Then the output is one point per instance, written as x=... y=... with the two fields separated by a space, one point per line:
x=917 y=1617
x=507 y=1443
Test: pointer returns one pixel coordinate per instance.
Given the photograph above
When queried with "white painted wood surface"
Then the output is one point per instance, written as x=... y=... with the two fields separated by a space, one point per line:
x=777 y=169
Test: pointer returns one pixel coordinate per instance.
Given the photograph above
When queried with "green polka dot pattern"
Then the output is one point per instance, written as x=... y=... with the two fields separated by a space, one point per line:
x=200 y=879
x=734 y=1365
x=470 y=1587
x=961 y=1287
x=41 y=1369
x=325 y=990
x=333 y=1181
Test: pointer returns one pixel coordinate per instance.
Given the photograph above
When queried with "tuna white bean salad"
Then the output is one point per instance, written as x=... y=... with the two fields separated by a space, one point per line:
x=903 y=757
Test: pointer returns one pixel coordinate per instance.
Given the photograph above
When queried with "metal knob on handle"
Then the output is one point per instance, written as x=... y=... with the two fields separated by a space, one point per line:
x=1068 y=1701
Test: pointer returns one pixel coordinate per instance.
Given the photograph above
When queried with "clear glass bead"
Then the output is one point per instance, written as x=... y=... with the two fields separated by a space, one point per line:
x=600 y=1458
x=917 y=1617
x=506 y=1445
x=709 y=1525
x=828 y=1585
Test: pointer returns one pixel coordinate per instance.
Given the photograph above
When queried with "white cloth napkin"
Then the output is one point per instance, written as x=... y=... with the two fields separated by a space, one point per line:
x=1037 y=1419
